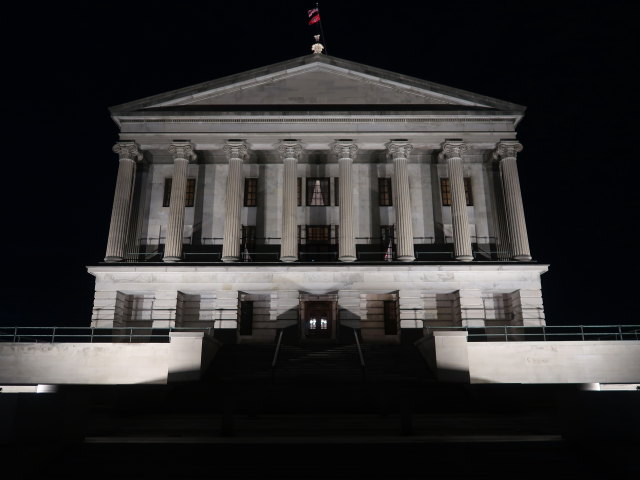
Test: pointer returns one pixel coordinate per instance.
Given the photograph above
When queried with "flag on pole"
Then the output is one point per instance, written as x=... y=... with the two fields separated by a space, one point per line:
x=388 y=256
x=314 y=16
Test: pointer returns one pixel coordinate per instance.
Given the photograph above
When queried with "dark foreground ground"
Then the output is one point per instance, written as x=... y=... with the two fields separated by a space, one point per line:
x=319 y=417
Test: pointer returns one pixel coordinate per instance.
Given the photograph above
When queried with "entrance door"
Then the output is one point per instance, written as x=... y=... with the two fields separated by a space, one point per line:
x=318 y=319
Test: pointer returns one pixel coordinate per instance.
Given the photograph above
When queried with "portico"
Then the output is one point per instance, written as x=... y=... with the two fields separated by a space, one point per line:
x=396 y=197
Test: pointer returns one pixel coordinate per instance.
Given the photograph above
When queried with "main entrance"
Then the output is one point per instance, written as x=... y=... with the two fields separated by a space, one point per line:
x=318 y=321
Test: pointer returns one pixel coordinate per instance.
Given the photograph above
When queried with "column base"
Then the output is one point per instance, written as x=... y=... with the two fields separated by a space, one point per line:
x=171 y=259
x=522 y=258
x=288 y=259
x=230 y=259
x=113 y=259
x=347 y=258
x=405 y=258
x=464 y=258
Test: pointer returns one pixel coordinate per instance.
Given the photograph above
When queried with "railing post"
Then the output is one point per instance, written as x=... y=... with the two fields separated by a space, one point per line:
x=620 y=331
x=506 y=335
x=582 y=332
x=275 y=355
x=91 y=338
x=53 y=335
x=15 y=334
x=544 y=333
x=362 y=365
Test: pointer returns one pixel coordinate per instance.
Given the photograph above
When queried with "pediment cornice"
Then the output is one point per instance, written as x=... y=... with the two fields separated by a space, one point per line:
x=225 y=91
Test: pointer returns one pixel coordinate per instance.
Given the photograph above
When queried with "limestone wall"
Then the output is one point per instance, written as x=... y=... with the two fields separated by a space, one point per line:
x=106 y=363
x=457 y=360
x=428 y=296
x=204 y=222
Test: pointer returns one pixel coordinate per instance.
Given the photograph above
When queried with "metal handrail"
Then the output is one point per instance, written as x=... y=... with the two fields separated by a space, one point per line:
x=307 y=254
x=277 y=350
x=449 y=254
x=22 y=334
x=246 y=256
x=362 y=364
x=546 y=332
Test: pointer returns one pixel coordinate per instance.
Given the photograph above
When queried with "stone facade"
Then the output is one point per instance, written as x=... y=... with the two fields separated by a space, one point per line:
x=393 y=199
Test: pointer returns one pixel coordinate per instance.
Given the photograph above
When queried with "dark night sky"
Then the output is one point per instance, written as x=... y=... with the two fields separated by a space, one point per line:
x=571 y=65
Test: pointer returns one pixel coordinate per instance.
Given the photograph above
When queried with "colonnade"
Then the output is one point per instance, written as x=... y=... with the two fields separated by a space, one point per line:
x=452 y=152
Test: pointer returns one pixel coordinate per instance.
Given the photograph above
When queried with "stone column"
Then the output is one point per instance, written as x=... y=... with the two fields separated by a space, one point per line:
x=347 y=247
x=506 y=152
x=182 y=155
x=399 y=151
x=236 y=152
x=290 y=152
x=129 y=154
x=452 y=152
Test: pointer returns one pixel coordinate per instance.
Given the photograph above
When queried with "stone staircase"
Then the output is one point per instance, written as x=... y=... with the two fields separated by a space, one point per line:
x=240 y=421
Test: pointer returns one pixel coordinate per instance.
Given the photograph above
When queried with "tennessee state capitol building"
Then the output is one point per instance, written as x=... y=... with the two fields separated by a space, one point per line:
x=317 y=193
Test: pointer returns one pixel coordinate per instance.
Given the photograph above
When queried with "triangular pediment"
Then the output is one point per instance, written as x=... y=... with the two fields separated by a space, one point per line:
x=321 y=85
x=316 y=81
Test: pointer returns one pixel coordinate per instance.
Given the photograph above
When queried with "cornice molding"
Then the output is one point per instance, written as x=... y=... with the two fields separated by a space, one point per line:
x=324 y=119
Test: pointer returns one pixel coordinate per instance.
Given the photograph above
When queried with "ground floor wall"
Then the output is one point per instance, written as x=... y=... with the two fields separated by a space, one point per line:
x=381 y=300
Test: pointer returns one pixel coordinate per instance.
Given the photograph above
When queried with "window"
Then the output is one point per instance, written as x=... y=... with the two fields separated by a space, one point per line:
x=246 y=317
x=250 y=192
x=299 y=191
x=189 y=196
x=318 y=192
x=390 y=317
x=445 y=190
x=248 y=237
x=167 y=192
x=384 y=192
x=386 y=235
x=318 y=234
x=336 y=191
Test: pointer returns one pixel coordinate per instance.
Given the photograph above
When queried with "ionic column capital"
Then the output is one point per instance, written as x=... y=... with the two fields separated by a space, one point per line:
x=290 y=149
x=236 y=150
x=128 y=151
x=453 y=150
x=399 y=149
x=183 y=150
x=507 y=149
x=345 y=149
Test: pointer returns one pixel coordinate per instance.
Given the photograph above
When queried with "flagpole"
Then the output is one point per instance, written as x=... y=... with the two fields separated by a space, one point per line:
x=324 y=39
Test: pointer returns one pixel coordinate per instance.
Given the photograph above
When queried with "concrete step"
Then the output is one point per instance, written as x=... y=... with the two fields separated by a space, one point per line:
x=321 y=424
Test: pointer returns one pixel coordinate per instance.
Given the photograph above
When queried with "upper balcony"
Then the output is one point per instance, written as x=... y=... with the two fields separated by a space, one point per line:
x=316 y=249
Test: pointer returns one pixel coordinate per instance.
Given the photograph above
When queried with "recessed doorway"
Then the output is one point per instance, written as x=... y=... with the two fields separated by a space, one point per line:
x=318 y=322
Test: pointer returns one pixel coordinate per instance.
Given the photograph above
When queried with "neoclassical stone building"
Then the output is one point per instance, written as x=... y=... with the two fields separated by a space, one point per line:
x=320 y=194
